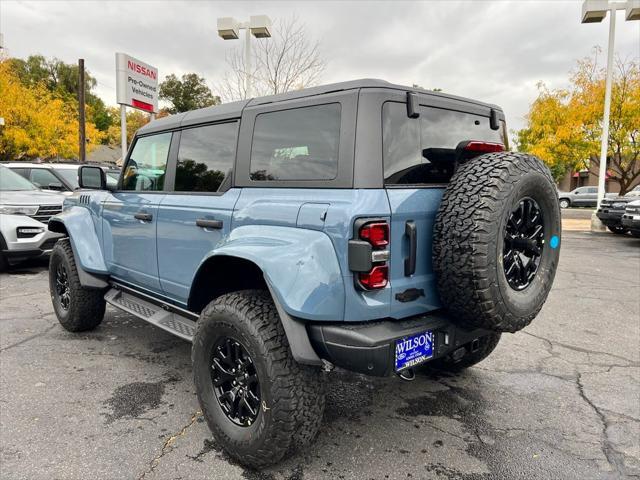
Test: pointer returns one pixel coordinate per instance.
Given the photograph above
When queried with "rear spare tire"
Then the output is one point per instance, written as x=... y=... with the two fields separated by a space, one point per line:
x=496 y=241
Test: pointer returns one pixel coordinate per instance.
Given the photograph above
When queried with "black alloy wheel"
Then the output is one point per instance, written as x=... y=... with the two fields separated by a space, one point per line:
x=63 y=291
x=235 y=382
x=523 y=244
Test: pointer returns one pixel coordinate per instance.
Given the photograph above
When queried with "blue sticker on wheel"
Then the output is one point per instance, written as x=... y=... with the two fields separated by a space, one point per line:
x=554 y=241
x=413 y=350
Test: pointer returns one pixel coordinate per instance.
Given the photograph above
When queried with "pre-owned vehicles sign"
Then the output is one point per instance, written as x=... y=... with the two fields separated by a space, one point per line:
x=137 y=83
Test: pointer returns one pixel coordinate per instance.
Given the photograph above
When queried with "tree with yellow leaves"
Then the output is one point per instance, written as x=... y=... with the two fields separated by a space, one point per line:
x=38 y=123
x=564 y=126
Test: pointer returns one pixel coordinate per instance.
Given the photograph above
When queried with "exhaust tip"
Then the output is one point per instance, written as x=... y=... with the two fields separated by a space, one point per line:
x=408 y=375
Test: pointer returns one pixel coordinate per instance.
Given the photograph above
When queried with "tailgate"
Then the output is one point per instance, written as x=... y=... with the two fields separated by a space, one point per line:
x=412 y=208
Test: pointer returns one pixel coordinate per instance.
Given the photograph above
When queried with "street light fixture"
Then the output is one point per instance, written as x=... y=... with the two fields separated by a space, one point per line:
x=594 y=11
x=259 y=26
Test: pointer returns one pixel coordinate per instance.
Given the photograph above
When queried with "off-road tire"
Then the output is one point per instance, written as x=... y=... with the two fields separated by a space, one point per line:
x=468 y=241
x=488 y=343
x=292 y=395
x=618 y=230
x=86 y=305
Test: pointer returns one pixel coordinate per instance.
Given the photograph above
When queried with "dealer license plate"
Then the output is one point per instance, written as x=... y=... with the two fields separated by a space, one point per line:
x=413 y=350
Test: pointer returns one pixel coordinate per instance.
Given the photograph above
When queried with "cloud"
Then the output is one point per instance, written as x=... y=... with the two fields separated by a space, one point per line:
x=493 y=51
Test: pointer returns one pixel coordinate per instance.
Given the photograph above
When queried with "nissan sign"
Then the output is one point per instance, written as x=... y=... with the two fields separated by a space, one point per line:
x=136 y=83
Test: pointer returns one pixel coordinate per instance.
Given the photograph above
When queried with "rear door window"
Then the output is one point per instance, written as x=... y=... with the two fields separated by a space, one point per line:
x=296 y=144
x=205 y=158
x=423 y=150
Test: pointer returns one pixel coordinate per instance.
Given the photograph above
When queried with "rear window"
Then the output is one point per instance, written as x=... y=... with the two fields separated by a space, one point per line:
x=297 y=144
x=423 y=150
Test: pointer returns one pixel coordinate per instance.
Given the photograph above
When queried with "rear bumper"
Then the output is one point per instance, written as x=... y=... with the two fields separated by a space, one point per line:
x=369 y=347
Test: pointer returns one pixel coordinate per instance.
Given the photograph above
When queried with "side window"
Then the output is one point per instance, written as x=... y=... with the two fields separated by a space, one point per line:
x=145 y=170
x=581 y=190
x=205 y=158
x=593 y=190
x=296 y=144
x=43 y=178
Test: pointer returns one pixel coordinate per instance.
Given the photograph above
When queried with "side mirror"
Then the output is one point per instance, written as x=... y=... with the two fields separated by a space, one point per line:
x=92 y=177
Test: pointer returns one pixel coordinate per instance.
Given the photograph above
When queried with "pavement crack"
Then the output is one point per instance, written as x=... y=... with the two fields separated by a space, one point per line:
x=29 y=338
x=168 y=445
x=551 y=343
x=612 y=455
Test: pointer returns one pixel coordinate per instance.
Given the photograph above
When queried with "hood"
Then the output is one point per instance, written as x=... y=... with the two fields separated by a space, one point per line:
x=30 y=197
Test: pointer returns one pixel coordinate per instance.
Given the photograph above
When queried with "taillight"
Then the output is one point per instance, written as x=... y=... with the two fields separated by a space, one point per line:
x=376 y=278
x=368 y=253
x=377 y=234
x=483 y=147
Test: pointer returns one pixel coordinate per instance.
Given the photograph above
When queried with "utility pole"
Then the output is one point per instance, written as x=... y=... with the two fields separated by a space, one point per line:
x=81 y=119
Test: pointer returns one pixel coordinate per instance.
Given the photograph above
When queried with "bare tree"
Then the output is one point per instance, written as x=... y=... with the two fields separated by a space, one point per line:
x=287 y=61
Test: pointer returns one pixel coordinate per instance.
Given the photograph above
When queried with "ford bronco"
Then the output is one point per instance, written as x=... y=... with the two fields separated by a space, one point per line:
x=374 y=227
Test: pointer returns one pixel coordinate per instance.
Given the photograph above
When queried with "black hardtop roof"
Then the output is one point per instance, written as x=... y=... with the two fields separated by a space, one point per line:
x=234 y=109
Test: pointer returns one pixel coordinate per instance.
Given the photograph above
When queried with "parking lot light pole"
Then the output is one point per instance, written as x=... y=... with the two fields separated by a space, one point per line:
x=259 y=26
x=594 y=11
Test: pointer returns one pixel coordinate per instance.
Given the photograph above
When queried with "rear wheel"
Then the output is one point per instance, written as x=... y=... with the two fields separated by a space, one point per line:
x=258 y=402
x=496 y=241
x=564 y=203
x=77 y=308
x=618 y=230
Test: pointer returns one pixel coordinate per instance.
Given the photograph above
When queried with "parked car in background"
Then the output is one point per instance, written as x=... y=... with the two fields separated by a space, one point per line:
x=580 y=197
x=613 y=208
x=631 y=217
x=24 y=213
x=62 y=177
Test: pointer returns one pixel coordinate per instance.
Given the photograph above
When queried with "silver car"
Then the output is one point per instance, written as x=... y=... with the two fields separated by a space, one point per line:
x=24 y=213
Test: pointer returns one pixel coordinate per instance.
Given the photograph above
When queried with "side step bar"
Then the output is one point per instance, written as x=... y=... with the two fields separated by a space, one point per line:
x=172 y=322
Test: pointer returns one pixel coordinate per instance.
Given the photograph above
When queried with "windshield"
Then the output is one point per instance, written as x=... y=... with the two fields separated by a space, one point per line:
x=112 y=178
x=11 y=181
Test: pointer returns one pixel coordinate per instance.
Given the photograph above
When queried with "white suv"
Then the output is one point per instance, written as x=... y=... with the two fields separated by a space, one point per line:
x=24 y=213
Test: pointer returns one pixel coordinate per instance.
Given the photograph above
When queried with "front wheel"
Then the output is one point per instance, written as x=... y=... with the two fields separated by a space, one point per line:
x=618 y=230
x=77 y=308
x=258 y=402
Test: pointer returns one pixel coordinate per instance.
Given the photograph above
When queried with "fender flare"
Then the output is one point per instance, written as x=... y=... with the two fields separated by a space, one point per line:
x=300 y=267
x=77 y=224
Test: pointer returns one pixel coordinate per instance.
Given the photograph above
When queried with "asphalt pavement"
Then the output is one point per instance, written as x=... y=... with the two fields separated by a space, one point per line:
x=559 y=400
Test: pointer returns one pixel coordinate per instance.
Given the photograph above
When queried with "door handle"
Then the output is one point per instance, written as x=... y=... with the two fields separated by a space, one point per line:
x=208 y=223
x=410 y=262
x=145 y=217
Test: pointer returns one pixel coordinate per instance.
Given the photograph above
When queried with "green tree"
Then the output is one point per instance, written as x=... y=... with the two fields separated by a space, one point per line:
x=189 y=93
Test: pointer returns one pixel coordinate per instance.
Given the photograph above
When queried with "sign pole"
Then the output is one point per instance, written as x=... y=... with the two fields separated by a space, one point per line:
x=123 y=130
x=81 y=116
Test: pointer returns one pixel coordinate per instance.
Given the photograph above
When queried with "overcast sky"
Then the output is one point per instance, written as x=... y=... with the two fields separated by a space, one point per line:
x=494 y=51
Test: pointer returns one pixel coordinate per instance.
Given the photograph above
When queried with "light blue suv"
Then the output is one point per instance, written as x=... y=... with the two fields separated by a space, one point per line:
x=374 y=227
